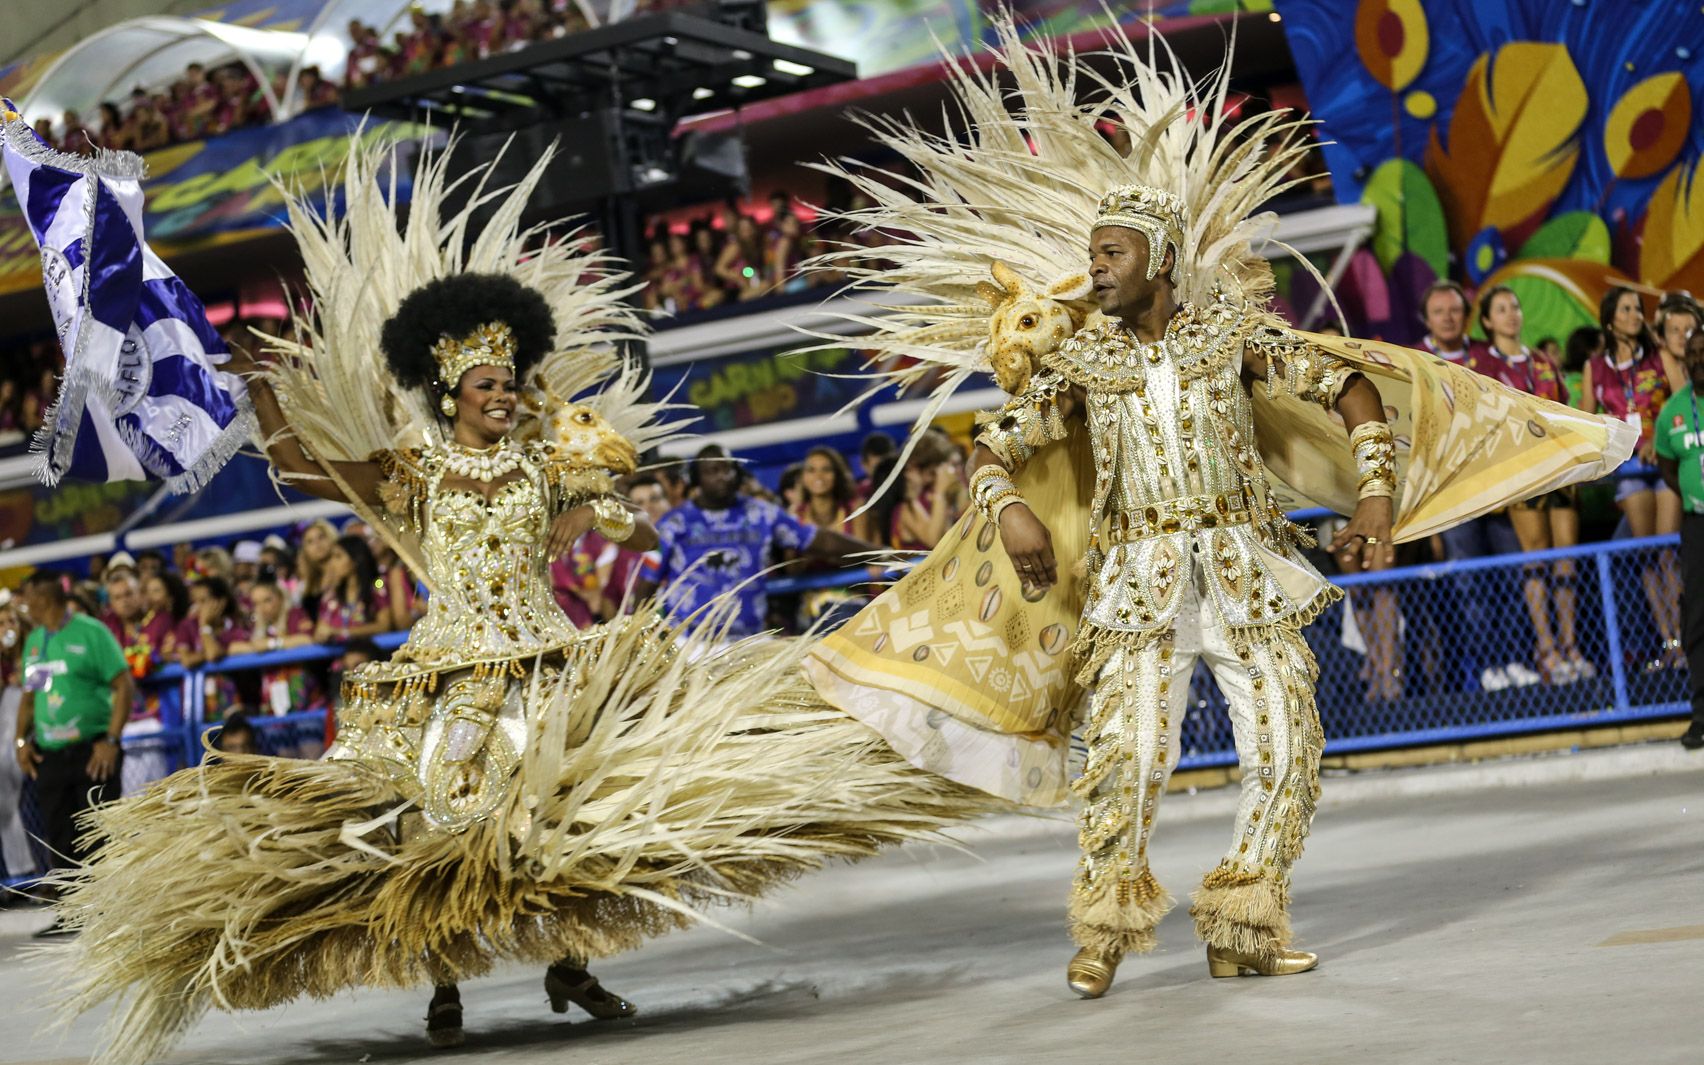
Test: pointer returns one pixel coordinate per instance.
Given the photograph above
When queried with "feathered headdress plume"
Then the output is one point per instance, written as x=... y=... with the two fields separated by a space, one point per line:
x=989 y=220
x=361 y=261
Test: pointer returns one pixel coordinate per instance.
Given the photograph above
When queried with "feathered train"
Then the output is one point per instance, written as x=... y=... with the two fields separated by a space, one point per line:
x=706 y=776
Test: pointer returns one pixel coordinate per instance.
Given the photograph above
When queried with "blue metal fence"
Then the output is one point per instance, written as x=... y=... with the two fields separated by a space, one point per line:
x=1458 y=631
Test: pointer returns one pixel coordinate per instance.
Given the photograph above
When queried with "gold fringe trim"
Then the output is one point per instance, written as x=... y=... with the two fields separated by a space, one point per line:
x=1243 y=910
x=1115 y=916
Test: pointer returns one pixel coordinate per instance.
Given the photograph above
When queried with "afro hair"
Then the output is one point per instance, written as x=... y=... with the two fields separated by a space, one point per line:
x=456 y=306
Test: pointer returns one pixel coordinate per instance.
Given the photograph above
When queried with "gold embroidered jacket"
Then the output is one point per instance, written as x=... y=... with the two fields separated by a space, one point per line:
x=1180 y=491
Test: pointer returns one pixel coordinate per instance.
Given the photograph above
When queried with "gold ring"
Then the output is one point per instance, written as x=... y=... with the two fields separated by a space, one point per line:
x=1371 y=539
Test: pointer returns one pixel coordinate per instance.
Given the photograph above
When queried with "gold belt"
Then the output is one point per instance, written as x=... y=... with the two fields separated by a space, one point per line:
x=1184 y=514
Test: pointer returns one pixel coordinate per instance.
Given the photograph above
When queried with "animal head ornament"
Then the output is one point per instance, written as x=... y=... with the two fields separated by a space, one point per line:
x=1024 y=324
x=576 y=433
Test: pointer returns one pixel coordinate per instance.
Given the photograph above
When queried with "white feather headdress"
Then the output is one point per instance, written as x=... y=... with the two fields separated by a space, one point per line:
x=364 y=257
x=1018 y=177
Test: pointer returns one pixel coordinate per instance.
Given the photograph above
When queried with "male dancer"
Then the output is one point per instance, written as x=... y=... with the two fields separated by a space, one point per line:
x=1194 y=560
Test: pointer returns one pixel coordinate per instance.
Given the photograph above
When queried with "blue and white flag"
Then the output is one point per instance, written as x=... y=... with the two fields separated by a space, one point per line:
x=142 y=396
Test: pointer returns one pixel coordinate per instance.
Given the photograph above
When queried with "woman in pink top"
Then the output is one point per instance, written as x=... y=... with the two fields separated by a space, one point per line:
x=352 y=604
x=1549 y=520
x=1626 y=380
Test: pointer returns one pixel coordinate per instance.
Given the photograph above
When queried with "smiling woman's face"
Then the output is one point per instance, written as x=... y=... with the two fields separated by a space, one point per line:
x=485 y=402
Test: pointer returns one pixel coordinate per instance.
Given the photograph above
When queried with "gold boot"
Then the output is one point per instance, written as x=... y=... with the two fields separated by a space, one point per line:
x=1090 y=973
x=1283 y=963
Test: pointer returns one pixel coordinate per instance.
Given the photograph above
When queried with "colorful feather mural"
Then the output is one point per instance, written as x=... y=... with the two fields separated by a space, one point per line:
x=1557 y=139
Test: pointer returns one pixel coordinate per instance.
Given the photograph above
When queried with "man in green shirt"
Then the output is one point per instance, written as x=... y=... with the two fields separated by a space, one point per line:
x=1680 y=457
x=77 y=697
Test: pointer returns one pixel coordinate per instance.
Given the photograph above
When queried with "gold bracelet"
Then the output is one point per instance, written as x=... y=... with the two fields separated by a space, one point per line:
x=999 y=506
x=1374 y=448
x=992 y=472
x=611 y=520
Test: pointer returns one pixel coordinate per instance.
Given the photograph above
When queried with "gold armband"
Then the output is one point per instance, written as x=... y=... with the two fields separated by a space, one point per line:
x=611 y=520
x=1375 y=459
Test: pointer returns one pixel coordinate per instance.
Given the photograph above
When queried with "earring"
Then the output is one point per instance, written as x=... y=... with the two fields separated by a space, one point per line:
x=448 y=405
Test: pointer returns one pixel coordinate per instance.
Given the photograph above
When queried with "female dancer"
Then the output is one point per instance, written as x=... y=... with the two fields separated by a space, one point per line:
x=475 y=468
x=1549 y=520
x=1627 y=381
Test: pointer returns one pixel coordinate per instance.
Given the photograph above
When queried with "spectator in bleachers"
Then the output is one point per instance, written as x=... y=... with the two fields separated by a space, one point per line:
x=874 y=447
x=119 y=562
x=77 y=697
x=725 y=542
x=275 y=625
x=1550 y=520
x=933 y=494
x=1680 y=455
x=9 y=406
x=1678 y=317
x=1627 y=381
x=213 y=623
x=740 y=266
x=215 y=561
x=1445 y=309
x=1583 y=343
x=112 y=133
x=827 y=491
x=167 y=601
x=245 y=569
x=677 y=484
x=685 y=281
x=236 y=736
x=790 y=248
x=351 y=602
x=367 y=59
x=316 y=544
x=140 y=632
x=149 y=563
x=17 y=858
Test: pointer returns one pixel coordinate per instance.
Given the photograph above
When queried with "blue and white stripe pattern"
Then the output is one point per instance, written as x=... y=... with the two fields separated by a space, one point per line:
x=142 y=396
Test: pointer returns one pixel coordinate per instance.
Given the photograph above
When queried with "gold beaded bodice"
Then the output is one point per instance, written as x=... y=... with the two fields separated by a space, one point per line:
x=491 y=595
x=1180 y=494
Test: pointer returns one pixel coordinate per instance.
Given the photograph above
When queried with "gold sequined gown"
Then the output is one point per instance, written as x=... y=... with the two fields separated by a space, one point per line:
x=505 y=788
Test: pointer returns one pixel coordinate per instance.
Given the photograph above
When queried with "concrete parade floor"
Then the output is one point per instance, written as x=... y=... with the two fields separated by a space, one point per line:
x=1460 y=919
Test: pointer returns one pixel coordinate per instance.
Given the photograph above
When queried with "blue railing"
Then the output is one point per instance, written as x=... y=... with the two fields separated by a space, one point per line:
x=1458 y=626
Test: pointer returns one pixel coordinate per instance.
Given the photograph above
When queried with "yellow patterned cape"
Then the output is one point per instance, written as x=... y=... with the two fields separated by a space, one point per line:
x=967 y=678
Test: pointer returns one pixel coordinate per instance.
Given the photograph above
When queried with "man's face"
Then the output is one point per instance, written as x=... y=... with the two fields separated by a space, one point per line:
x=1118 y=268
x=237 y=743
x=37 y=604
x=652 y=500
x=1678 y=328
x=1446 y=319
x=718 y=482
x=125 y=598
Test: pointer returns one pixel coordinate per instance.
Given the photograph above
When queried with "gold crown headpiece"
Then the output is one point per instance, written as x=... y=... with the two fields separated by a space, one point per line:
x=492 y=344
x=1156 y=213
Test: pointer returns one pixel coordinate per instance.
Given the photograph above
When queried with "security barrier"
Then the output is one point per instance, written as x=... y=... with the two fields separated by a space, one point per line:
x=1419 y=655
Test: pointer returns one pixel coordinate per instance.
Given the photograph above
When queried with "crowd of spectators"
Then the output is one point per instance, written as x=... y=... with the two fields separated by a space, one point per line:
x=208 y=101
x=29 y=383
x=738 y=252
x=1625 y=367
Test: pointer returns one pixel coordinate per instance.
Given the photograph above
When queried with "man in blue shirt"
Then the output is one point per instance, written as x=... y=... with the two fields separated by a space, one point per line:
x=722 y=541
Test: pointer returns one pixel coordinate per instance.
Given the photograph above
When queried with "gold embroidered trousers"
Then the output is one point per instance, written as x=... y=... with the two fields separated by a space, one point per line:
x=1136 y=713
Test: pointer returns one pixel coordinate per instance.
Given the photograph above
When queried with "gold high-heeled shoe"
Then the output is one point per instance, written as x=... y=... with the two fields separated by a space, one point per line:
x=563 y=986
x=1221 y=963
x=1089 y=974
